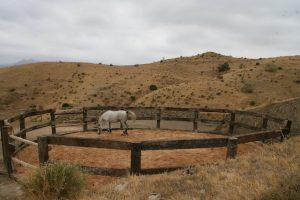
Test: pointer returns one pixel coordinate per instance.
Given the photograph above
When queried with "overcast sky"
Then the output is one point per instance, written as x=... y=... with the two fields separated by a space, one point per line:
x=141 y=31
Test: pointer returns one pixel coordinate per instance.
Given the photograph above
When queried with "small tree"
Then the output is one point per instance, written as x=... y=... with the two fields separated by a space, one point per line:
x=224 y=67
x=133 y=98
x=152 y=87
x=66 y=106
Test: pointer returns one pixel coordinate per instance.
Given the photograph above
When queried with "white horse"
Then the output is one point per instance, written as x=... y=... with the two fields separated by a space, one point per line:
x=116 y=116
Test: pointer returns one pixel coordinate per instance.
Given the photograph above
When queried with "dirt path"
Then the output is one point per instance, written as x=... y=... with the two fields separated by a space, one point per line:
x=10 y=190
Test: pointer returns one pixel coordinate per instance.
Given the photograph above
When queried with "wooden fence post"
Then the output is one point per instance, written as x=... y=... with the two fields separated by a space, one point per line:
x=232 y=147
x=135 y=158
x=53 y=124
x=22 y=126
x=287 y=129
x=195 y=123
x=43 y=149
x=264 y=126
x=158 y=118
x=231 y=124
x=265 y=123
x=5 y=148
x=84 y=119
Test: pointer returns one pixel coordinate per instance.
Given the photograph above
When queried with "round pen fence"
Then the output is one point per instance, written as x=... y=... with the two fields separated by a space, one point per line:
x=237 y=127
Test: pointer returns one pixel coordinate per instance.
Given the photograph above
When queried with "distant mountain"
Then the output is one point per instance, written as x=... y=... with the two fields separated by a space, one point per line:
x=21 y=62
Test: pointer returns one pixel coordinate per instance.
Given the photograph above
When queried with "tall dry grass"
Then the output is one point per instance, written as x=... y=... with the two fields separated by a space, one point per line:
x=54 y=181
x=269 y=172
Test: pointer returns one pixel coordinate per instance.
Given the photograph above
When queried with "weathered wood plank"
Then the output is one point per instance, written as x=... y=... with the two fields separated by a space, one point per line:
x=68 y=113
x=13 y=119
x=135 y=167
x=158 y=118
x=195 y=122
x=22 y=127
x=265 y=123
x=38 y=126
x=38 y=112
x=183 y=144
x=23 y=140
x=252 y=137
x=25 y=164
x=43 y=149
x=231 y=124
x=53 y=123
x=89 y=142
x=84 y=119
x=211 y=121
x=232 y=146
x=5 y=148
x=118 y=108
x=166 y=118
x=239 y=124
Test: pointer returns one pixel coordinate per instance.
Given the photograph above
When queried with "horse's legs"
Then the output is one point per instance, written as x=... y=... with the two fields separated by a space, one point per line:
x=125 y=132
x=109 y=127
x=99 y=127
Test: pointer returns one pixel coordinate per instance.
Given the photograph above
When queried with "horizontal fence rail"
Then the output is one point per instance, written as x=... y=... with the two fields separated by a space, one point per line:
x=184 y=144
x=88 y=142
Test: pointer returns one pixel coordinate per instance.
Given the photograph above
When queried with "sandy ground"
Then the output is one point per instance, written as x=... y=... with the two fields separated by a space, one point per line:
x=120 y=159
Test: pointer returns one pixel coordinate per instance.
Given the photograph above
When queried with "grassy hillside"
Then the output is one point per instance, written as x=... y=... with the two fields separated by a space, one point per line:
x=181 y=82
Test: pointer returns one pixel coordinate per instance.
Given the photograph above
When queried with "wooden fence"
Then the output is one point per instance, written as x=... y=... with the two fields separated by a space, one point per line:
x=231 y=142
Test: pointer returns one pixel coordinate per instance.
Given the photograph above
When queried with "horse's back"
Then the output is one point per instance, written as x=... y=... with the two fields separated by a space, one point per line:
x=113 y=116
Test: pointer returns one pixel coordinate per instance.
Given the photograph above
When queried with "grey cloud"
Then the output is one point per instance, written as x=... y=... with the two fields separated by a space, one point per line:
x=139 y=31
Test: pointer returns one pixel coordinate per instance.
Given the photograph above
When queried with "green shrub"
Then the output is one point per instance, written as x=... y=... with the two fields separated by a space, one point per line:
x=252 y=103
x=152 y=87
x=32 y=108
x=248 y=88
x=224 y=67
x=55 y=181
x=66 y=106
x=271 y=68
x=133 y=98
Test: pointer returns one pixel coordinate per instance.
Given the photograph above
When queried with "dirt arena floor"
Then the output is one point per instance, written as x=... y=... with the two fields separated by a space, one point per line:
x=120 y=159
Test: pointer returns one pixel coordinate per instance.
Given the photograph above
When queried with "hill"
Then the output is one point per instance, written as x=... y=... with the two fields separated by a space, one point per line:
x=181 y=82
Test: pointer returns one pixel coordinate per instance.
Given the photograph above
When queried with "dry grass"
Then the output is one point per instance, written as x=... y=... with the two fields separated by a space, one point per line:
x=271 y=172
x=54 y=181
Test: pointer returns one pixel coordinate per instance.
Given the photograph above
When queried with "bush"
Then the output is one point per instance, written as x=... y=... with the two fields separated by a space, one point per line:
x=55 y=181
x=32 y=108
x=271 y=68
x=224 y=67
x=248 y=88
x=152 y=87
x=252 y=103
x=133 y=98
x=66 y=106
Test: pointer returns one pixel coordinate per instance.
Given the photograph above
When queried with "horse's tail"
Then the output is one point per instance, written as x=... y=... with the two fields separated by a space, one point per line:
x=132 y=115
